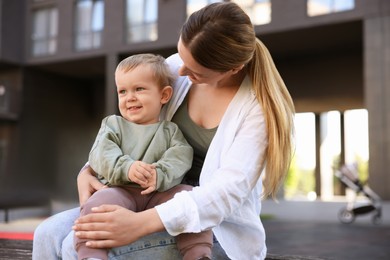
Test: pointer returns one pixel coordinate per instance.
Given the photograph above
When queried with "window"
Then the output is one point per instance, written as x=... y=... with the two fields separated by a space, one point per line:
x=89 y=24
x=258 y=10
x=44 y=31
x=38 y=1
x=195 y=5
x=300 y=180
x=321 y=7
x=141 y=20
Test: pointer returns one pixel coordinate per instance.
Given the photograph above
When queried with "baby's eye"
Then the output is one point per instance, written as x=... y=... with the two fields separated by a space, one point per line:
x=139 y=89
x=122 y=91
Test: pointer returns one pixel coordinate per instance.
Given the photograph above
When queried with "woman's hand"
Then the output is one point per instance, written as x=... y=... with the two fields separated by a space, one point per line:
x=112 y=226
x=87 y=184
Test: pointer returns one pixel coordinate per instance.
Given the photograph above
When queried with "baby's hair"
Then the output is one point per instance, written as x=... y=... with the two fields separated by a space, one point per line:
x=156 y=62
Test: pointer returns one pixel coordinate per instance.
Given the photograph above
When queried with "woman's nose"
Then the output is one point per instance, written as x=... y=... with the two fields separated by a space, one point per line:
x=183 y=71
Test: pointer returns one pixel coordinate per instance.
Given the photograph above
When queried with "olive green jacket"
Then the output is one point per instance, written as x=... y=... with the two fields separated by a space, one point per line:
x=119 y=143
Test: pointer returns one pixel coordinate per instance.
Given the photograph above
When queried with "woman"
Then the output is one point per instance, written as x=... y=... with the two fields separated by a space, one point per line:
x=234 y=109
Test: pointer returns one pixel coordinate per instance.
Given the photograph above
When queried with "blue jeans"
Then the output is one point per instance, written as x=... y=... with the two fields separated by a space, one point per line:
x=53 y=240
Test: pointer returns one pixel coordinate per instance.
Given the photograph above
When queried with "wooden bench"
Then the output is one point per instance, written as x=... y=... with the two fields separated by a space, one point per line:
x=15 y=249
x=22 y=249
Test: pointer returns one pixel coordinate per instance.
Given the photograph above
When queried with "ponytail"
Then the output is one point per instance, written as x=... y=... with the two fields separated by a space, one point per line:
x=278 y=109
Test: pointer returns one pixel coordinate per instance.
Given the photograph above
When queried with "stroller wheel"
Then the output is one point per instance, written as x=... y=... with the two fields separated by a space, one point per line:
x=346 y=216
x=376 y=219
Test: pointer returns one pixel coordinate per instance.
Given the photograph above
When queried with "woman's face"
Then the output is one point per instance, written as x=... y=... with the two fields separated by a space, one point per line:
x=196 y=72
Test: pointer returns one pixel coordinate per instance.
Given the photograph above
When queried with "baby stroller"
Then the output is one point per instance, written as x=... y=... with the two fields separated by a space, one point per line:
x=348 y=175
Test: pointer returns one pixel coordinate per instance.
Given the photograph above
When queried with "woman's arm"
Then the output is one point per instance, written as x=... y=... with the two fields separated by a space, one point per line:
x=115 y=226
x=112 y=226
x=87 y=184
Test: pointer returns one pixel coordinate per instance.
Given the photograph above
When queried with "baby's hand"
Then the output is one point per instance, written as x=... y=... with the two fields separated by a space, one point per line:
x=151 y=183
x=141 y=173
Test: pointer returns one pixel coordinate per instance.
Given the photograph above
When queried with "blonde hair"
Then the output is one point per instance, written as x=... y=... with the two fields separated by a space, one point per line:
x=157 y=63
x=221 y=37
x=279 y=114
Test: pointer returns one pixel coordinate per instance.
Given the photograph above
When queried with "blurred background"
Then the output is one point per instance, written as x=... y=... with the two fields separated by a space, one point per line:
x=57 y=63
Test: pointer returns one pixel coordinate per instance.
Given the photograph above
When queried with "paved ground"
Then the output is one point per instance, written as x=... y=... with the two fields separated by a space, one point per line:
x=295 y=229
x=328 y=240
x=313 y=229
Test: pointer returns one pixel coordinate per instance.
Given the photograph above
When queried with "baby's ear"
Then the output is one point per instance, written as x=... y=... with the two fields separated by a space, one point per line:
x=166 y=94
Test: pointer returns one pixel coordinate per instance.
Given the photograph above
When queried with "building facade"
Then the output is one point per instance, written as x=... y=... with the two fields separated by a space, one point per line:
x=58 y=57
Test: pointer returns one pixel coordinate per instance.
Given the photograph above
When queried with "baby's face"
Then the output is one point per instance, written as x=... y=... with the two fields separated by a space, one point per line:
x=140 y=97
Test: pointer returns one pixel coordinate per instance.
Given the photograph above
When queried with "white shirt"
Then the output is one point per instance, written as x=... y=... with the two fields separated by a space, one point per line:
x=228 y=198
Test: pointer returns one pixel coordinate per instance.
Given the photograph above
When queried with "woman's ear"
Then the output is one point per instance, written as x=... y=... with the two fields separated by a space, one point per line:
x=166 y=94
x=235 y=70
